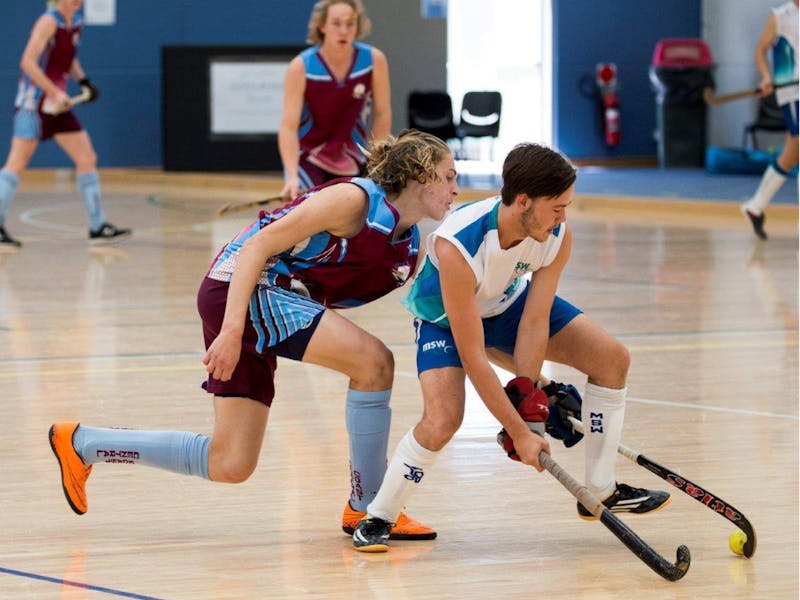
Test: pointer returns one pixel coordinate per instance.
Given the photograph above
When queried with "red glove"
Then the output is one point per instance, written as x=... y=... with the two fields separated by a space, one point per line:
x=531 y=404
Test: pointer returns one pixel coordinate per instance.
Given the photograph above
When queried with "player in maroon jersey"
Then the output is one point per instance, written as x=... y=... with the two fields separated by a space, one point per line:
x=43 y=111
x=332 y=91
x=267 y=294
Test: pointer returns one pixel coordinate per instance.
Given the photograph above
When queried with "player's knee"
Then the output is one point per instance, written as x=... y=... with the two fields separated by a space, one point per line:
x=86 y=161
x=440 y=430
x=618 y=360
x=376 y=368
x=230 y=469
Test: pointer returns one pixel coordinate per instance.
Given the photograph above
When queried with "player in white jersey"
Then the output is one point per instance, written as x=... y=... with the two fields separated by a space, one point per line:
x=473 y=303
x=780 y=35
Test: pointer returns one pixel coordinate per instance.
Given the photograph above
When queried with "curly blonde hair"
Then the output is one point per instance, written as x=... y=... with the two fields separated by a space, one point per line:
x=412 y=155
x=319 y=15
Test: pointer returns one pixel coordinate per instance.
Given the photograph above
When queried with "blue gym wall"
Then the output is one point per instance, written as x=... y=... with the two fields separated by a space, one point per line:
x=124 y=60
x=624 y=32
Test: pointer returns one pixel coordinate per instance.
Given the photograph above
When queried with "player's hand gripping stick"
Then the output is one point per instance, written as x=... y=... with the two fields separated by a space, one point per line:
x=531 y=404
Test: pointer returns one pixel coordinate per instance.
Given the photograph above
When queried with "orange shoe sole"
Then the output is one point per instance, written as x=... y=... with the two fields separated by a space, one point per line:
x=74 y=472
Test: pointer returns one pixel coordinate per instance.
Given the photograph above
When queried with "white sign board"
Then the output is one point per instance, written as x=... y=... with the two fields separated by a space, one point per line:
x=246 y=97
x=100 y=12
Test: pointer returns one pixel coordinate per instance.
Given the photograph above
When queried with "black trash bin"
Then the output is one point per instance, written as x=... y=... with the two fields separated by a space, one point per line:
x=680 y=71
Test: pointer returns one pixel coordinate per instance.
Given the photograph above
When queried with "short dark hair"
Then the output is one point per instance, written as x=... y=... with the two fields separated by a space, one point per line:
x=537 y=171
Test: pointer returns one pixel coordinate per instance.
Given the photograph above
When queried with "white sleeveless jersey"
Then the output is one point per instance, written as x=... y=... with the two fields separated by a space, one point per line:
x=499 y=273
x=784 y=52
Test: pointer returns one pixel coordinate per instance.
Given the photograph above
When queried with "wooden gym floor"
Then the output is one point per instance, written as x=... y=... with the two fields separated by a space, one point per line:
x=110 y=337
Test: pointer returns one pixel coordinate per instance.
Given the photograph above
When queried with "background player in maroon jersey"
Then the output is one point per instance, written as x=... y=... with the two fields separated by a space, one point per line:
x=267 y=294
x=331 y=92
x=48 y=61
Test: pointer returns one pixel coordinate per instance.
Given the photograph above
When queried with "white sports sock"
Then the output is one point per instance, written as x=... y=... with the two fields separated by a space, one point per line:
x=771 y=182
x=603 y=414
x=404 y=474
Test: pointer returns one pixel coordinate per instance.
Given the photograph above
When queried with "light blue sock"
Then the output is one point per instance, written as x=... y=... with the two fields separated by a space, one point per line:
x=8 y=187
x=177 y=451
x=368 y=418
x=89 y=185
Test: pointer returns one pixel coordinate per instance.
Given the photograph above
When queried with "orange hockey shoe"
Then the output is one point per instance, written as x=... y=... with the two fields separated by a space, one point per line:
x=74 y=472
x=406 y=528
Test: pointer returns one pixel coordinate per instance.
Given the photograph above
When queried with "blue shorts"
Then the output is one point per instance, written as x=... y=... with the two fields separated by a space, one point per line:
x=436 y=346
x=790 y=117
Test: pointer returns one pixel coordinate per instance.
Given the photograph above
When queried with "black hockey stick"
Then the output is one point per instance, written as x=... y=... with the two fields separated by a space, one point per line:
x=702 y=495
x=645 y=553
x=232 y=207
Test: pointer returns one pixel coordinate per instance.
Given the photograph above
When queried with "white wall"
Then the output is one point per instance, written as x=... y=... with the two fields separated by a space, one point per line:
x=732 y=28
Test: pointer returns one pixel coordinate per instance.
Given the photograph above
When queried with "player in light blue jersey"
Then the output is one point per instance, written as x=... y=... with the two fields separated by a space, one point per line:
x=780 y=35
x=473 y=303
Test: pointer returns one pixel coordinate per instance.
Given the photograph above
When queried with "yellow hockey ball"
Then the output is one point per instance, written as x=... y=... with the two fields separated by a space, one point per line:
x=736 y=541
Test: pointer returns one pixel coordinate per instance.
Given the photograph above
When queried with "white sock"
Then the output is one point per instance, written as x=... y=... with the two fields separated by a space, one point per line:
x=403 y=476
x=771 y=182
x=603 y=414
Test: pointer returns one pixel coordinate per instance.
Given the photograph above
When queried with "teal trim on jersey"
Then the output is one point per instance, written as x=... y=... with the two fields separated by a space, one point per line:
x=424 y=299
x=783 y=62
x=472 y=237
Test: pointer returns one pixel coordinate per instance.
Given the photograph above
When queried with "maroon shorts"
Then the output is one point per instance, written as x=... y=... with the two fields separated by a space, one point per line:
x=65 y=122
x=254 y=375
x=312 y=175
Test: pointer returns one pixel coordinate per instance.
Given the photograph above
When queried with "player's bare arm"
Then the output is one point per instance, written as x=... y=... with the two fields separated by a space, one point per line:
x=44 y=29
x=534 y=326
x=288 y=144
x=764 y=45
x=76 y=70
x=342 y=213
x=381 y=97
x=458 y=293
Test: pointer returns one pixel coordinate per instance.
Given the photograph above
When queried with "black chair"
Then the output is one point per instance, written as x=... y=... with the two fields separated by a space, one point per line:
x=480 y=116
x=769 y=118
x=432 y=112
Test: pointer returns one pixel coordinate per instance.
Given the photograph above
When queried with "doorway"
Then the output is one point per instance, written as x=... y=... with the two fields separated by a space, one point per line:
x=507 y=48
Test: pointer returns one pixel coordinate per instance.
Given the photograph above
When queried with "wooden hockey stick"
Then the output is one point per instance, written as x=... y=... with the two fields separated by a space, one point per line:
x=645 y=553
x=711 y=98
x=50 y=108
x=702 y=495
x=234 y=207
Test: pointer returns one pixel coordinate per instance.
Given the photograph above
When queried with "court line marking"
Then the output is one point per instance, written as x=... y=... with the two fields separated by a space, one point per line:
x=671 y=404
x=400 y=373
x=77 y=584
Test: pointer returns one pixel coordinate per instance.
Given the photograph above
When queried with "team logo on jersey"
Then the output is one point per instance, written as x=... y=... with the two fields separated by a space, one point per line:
x=521 y=268
x=401 y=273
x=359 y=90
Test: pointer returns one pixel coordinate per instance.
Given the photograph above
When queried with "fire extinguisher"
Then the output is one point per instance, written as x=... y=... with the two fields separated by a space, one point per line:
x=606 y=80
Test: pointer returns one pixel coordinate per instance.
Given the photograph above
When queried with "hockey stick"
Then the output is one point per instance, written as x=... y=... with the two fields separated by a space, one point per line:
x=234 y=207
x=50 y=108
x=715 y=503
x=710 y=98
x=645 y=553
